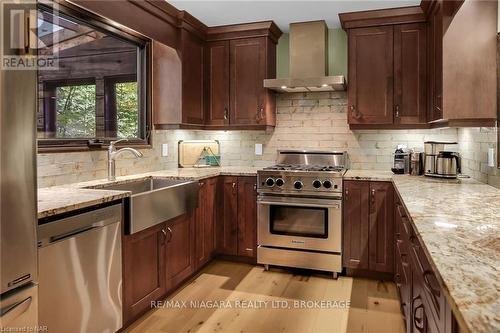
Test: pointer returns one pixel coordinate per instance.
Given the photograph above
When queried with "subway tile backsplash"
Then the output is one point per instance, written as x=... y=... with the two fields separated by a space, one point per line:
x=304 y=121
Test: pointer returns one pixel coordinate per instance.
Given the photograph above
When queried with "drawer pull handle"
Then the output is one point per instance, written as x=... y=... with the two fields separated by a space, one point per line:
x=419 y=322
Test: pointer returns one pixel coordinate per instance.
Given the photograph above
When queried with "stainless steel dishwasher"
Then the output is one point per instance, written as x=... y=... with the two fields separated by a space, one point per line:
x=80 y=272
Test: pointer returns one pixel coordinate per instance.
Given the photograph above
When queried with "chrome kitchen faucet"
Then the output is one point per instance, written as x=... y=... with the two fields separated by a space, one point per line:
x=113 y=154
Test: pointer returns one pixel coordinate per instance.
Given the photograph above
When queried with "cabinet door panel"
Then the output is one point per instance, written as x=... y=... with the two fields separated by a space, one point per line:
x=143 y=270
x=192 y=79
x=247 y=216
x=217 y=83
x=179 y=250
x=227 y=233
x=370 y=93
x=205 y=221
x=356 y=210
x=247 y=68
x=410 y=73
x=436 y=62
x=381 y=233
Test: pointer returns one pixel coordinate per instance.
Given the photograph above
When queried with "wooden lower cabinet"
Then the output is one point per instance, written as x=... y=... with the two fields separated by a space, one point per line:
x=237 y=231
x=247 y=217
x=227 y=231
x=381 y=232
x=205 y=222
x=423 y=303
x=179 y=250
x=144 y=269
x=368 y=226
x=159 y=259
x=356 y=226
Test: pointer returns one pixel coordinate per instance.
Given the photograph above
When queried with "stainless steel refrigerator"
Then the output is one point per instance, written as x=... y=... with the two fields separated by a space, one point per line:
x=18 y=213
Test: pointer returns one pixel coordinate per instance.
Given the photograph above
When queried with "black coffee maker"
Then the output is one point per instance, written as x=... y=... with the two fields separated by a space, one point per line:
x=401 y=164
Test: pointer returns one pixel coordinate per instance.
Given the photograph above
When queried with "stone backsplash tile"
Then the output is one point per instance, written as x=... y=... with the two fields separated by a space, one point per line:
x=304 y=121
x=474 y=144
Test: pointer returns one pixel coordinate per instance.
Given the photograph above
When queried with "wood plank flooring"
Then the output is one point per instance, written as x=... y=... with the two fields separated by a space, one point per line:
x=213 y=301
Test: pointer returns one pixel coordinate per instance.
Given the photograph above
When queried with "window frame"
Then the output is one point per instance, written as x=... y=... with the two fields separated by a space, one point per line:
x=144 y=80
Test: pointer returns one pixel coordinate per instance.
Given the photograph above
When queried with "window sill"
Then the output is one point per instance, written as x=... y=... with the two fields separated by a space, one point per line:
x=47 y=148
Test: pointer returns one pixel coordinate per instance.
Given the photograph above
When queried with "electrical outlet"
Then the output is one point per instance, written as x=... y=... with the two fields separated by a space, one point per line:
x=164 y=149
x=491 y=157
x=258 y=149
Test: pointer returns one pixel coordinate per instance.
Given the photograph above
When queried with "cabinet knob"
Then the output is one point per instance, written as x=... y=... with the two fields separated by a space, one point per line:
x=260 y=114
x=355 y=113
x=397 y=111
x=346 y=194
x=226 y=114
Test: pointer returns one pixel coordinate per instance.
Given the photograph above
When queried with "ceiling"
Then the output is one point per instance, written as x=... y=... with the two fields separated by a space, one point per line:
x=283 y=12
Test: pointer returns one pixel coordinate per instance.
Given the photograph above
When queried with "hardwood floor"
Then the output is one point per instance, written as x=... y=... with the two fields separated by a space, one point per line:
x=374 y=306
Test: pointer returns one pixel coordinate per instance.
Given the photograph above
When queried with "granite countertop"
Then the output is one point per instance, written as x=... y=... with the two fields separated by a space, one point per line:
x=66 y=198
x=458 y=222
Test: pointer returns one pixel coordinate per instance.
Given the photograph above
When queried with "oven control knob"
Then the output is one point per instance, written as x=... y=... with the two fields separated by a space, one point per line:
x=270 y=182
x=298 y=185
x=280 y=182
x=327 y=184
x=316 y=184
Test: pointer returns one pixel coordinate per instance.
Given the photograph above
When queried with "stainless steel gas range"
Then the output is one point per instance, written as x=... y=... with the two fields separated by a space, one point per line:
x=300 y=210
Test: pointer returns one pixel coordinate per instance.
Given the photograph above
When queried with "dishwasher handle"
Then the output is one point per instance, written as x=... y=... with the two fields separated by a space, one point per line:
x=73 y=225
x=10 y=314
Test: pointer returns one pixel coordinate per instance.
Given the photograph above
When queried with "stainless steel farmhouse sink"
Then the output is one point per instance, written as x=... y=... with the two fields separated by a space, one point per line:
x=154 y=201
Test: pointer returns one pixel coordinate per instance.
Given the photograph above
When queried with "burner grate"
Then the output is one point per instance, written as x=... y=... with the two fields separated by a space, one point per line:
x=301 y=167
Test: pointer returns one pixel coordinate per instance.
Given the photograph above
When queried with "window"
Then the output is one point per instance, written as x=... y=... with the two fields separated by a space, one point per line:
x=98 y=91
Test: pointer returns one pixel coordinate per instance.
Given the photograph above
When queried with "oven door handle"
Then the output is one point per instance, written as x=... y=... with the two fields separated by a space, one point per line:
x=329 y=205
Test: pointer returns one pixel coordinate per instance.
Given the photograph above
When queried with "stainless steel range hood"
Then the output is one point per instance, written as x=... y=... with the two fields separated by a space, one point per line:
x=308 y=61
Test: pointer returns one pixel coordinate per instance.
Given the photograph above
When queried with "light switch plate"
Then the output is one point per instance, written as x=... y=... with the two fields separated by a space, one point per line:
x=164 y=149
x=258 y=149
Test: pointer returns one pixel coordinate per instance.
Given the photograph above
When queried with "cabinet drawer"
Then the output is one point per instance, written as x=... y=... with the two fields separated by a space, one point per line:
x=432 y=292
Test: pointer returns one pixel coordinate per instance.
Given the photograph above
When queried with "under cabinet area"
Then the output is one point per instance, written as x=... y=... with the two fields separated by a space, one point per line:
x=368 y=228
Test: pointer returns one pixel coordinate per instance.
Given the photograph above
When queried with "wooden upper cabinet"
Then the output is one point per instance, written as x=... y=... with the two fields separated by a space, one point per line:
x=355 y=224
x=410 y=73
x=248 y=71
x=217 y=83
x=370 y=84
x=192 y=78
x=166 y=85
x=469 y=62
x=435 y=52
x=381 y=234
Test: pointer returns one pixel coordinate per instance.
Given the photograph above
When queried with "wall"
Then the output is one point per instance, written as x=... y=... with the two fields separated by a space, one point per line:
x=64 y=168
x=337 y=54
x=304 y=121
x=474 y=144
x=319 y=121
